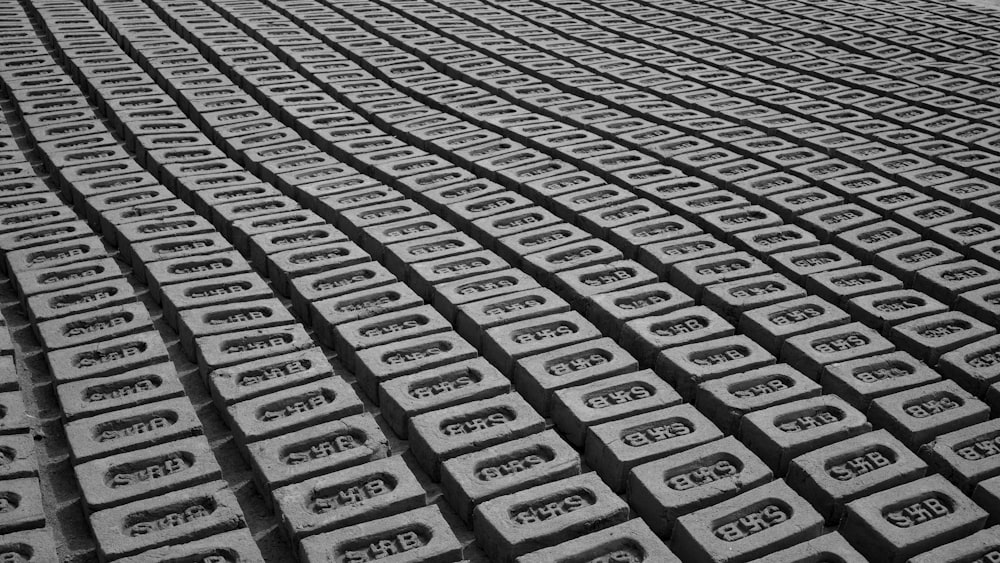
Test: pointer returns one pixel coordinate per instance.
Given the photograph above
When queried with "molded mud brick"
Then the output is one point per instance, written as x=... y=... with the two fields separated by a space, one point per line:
x=538 y=377
x=545 y=515
x=33 y=546
x=285 y=266
x=892 y=199
x=366 y=195
x=662 y=257
x=473 y=319
x=488 y=229
x=760 y=189
x=798 y=264
x=236 y=213
x=670 y=487
x=297 y=238
x=770 y=240
x=327 y=314
x=504 y=345
x=647 y=336
x=810 y=352
x=603 y=220
x=731 y=299
x=173 y=175
x=905 y=261
x=401 y=256
x=930 y=336
x=631 y=540
x=930 y=214
x=377 y=238
x=317 y=450
x=988 y=252
x=834 y=475
x=14 y=206
x=580 y=284
x=19 y=459
x=753 y=524
x=975 y=366
x=685 y=367
x=14 y=418
x=287 y=410
x=545 y=264
x=446 y=433
x=218 y=319
x=417 y=535
x=630 y=237
x=372 y=490
x=910 y=519
x=831 y=546
x=220 y=350
x=104 y=394
x=81 y=328
x=384 y=328
x=18 y=221
x=966 y=456
x=794 y=203
x=506 y=468
x=828 y=222
x=200 y=271
x=693 y=207
x=693 y=276
x=134 y=234
x=147 y=252
x=569 y=205
x=205 y=201
x=515 y=247
x=176 y=517
x=109 y=357
x=131 y=429
x=22 y=501
x=782 y=432
x=771 y=325
x=945 y=282
x=982 y=303
x=54 y=255
x=307 y=290
x=146 y=473
x=916 y=416
x=841 y=286
x=378 y=364
x=236 y=545
x=614 y=448
x=987 y=495
x=727 y=399
x=244 y=231
x=980 y=546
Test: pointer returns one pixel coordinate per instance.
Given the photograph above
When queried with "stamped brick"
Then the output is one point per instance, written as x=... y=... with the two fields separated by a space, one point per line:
x=834 y=475
x=364 y=492
x=221 y=350
x=904 y=261
x=798 y=264
x=416 y=535
x=32 y=546
x=130 y=429
x=980 y=546
x=812 y=351
x=727 y=399
x=663 y=490
x=99 y=395
x=446 y=433
x=830 y=546
x=382 y=329
x=987 y=495
x=22 y=500
x=473 y=319
x=647 y=337
x=690 y=365
x=236 y=546
x=885 y=310
x=946 y=282
x=727 y=532
x=339 y=282
x=161 y=274
x=862 y=380
x=248 y=380
x=632 y=540
x=379 y=364
x=315 y=451
x=910 y=519
x=543 y=516
x=966 y=455
x=505 y=345
x=62 y=278
x=662 y=257
x=176 y=517
x=109 y=357
x=931 y=336
x=772 y=325
x=610 y=311
x=916 y=416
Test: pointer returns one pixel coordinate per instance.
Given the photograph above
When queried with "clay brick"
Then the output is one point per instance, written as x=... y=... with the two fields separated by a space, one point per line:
x=861 y=380
x=315 y=451
x=364 y=492
x=379 y=364
x=812 y=351
x=537 y=377
x=338 y=282
x=614 y=448
x=43 y=235
x=727 y=399
x=34 y=546
x=987 y=495
x=291 y=409
x=945 y=282
x=512 y=525
x=834 y=475
x=966 y=455
x=611 y=310
x=916 y=416
x=633 y=539
x=160 y=274
x=385 y=328
x=479 y=476
x=830 y=546
x=975 y=366
x=506 y=344
x=980 y=546
x=176 y=247
x=109 y=357
x=176 y=517
x=630 y=237
x=723 y=532
x=446 y=433
x=236 y=545
x=731 y=299
x=579 y=284
x=885 y=310
x=23 y=505
x=450 y=296
x=401 y=256
x=545 y=264
x=646 y=337
x=798 y=264
x=906 y=520
x=158 y=228
x=793 y=203
x=146 y=473
x=840 y=286
x=417 y=535
x=514 y=248
x=92 y=396
x=19 y=458
x=473 y=319
x=688 y=366
x=931 y=336
x=783 y=432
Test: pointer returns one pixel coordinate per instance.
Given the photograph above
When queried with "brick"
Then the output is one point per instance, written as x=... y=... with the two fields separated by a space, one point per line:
x=446 y=433
x=508 y=223
x=545 y=264
x=515 y=247
x=945 y=282
x=633 y=539
x=146 y=473
x=338 y=282
x=981 y=545
x=810 y=352
x=569 y=205
x=225 y=290
x=611 y=310
x=364 y=492
x=416 y=535
x=382 y=363
x=226 y=262
x=831 y=476
x=916 y=416
x=974 y=366
x=221 y=350
x=722 y=533
x=798 y=264
x=663 y=257
x=43 y=235
x=987 y=495
x=110 y=357
x=474 y=319
x=690 y=365
x=511 y=526
x=505 y=345
x=633 y=235
x=23 y=504
x=236 y=545
x=20 y=460
x=81 y=328
x=99 y=395
x=55 y=255
x=506 y=468
x=979 y=303
x=891 y=199
x=34 y=546
x=663 y=490
x=727 y=399
x=840 y=286
x=910 y=519
x=177 y=247
x=47 y=306
x=646 y=337
x=382 y=329
x=965 y=456
x=831 y=546
x=931 y=336
x=772 y=325
x=450 y=296
x=176 y=517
